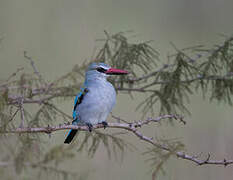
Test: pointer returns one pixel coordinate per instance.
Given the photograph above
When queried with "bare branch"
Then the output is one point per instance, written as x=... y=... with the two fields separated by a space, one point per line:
x=33 y=65
x=131 y=127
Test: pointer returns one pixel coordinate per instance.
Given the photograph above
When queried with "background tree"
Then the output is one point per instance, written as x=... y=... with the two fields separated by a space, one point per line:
x=166 y=86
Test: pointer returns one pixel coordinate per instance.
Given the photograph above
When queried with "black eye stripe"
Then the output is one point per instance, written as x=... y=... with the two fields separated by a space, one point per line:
x=100 y=69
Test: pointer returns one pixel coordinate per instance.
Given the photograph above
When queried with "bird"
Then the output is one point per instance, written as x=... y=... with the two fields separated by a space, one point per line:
x=96 y=98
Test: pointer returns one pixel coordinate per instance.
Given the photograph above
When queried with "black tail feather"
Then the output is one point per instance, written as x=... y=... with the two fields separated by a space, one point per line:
x=70 y=136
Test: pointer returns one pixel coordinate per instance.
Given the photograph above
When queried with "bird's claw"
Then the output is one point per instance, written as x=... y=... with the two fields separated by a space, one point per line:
x=90 y=126
x=105 y=124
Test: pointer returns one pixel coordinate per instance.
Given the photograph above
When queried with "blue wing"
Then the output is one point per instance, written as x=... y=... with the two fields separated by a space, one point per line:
x=77 y=101
x=76 y=104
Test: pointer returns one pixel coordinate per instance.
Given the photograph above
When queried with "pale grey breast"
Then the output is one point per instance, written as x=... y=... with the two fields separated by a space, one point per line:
x=97 y=103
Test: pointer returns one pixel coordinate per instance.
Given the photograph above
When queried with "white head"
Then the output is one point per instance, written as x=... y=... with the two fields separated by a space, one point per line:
x=101 y=71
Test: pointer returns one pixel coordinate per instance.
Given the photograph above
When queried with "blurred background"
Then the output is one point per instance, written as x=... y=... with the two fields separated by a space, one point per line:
x=58 y=34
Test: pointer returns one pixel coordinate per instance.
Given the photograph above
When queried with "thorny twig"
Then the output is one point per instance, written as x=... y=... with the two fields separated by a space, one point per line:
x=131 y=127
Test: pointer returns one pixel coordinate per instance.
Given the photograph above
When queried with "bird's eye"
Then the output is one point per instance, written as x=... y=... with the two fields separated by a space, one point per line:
x=100 y=69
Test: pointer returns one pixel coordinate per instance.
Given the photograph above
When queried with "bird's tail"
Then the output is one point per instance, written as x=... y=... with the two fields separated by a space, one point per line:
x=70 y=136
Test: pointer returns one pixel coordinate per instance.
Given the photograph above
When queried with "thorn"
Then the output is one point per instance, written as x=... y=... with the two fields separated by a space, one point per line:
x=225 y=162
x=182 y=120
x=137 y=124
x=207 y=159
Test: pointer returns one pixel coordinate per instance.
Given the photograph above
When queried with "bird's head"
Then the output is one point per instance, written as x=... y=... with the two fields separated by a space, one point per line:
x=102 y=70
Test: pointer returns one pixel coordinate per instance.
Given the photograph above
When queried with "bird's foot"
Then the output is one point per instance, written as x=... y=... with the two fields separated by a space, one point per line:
x=105 y=124
x=90 y=126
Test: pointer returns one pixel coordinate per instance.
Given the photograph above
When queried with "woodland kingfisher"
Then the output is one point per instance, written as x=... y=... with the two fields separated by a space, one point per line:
x=96 y=99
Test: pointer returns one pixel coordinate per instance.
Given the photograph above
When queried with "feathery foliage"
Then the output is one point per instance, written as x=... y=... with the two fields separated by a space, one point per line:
x=28 y=100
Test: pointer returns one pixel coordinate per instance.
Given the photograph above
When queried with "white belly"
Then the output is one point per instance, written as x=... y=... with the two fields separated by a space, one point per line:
x=96 y=104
